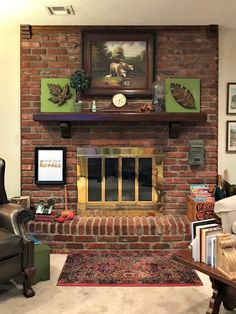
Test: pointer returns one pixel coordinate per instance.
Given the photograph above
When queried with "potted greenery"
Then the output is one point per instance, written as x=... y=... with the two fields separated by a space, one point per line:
x=79 y=81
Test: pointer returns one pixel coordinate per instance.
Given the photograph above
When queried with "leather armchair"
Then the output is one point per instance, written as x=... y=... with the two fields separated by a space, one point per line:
x=16 y=249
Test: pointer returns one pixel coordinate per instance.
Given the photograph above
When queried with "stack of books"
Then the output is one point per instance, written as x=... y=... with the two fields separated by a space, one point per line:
x=200 y=193
x=204 y=234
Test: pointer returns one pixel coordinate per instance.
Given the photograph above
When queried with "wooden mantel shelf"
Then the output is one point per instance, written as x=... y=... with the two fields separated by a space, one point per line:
x=174 y=119
x=121 y=116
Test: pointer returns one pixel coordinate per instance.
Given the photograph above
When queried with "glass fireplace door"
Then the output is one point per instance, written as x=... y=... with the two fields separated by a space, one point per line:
x=128 y=179
x=118 y=178
x=111 y=176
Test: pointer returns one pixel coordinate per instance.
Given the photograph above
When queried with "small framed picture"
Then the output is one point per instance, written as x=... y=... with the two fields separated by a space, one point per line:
x=231 y=137
x=231 y=98
x=50 y=165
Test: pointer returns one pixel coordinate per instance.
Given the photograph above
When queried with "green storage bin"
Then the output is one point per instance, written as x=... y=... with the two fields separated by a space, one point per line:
x=42 y=263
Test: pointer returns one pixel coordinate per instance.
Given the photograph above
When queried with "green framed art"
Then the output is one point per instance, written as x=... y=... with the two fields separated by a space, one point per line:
x=182 y=95
x=54 y=100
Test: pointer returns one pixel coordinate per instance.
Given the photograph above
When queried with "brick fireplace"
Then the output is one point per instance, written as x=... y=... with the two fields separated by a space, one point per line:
x=55 y=51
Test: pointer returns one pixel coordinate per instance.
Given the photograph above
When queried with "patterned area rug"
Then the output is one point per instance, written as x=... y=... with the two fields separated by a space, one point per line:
x=126 y=269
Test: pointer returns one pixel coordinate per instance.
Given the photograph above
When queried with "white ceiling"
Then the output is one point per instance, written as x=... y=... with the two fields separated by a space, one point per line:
x=120 y=12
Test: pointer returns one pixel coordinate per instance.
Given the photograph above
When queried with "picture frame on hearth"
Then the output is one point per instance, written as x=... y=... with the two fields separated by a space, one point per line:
x=50 y=165
x=231 y=98
x=231 y=136
x=118 y=61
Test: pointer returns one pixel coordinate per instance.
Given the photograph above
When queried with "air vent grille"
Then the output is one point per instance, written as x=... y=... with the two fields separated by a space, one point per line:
x=61 y=10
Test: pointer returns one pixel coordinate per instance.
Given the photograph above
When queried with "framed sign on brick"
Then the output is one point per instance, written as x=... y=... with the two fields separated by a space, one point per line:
x=50 y=165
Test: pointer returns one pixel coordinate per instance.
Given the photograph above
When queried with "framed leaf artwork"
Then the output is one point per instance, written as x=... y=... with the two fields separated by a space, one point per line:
x=57 y=95
x=182 y=95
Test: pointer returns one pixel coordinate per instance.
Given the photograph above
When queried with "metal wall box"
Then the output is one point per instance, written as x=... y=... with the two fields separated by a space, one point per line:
x=196 y=152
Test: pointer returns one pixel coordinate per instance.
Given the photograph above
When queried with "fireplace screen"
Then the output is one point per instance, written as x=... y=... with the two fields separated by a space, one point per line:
x=119 y=178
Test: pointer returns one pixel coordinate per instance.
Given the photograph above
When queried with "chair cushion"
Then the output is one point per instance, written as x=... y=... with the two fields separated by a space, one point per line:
x=227 y=204
x=10 y=244
x=234 y=227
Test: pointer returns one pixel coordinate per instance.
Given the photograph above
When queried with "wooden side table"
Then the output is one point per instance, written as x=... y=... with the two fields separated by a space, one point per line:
x=224 y=289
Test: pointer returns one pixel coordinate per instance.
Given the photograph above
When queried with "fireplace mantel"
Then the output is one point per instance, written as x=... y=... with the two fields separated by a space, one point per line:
x=174 y=119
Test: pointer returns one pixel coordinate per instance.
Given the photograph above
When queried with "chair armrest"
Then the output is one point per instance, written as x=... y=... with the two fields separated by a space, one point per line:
x=13 y=218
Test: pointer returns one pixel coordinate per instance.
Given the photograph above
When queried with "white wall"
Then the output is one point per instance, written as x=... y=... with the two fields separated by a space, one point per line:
x=10 y=103
x=10 y=107
x=227 y=73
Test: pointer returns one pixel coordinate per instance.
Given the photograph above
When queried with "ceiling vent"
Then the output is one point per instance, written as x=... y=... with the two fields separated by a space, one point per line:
x=59 y=10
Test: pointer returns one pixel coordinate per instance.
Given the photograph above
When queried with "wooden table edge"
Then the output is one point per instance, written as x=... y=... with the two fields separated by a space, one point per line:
x=185 y=258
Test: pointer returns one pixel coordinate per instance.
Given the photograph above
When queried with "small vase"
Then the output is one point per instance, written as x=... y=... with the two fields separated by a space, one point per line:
x=78 y=106
x=158 y=96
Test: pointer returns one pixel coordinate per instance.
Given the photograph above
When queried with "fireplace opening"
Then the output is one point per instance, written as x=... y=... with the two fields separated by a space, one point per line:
x=119 y=179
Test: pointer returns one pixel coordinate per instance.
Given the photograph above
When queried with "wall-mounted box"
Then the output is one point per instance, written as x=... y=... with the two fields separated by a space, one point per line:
x=196 y=152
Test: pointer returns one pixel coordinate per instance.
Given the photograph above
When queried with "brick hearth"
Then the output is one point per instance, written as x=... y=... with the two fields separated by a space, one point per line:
x=114 y=233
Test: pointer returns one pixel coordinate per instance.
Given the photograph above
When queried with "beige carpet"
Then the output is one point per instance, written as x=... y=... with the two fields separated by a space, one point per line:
x=51 y=299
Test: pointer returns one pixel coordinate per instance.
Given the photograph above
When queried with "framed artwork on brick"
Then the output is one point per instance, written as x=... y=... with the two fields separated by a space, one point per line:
x=231 y=98
x=118 y=61
x=57 y=95
x=182 y=95
x=50 y=165
x=231 y=136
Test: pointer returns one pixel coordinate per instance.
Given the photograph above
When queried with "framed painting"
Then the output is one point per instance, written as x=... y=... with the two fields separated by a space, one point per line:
x=118 y=62
x=231 y=98
x=50 y=165
x=231 y=137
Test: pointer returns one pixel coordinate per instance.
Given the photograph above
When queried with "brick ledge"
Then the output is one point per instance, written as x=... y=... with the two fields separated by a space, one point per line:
x=114 y=233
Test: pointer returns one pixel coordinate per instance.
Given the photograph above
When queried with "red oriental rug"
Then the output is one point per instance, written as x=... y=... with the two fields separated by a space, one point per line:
x=126 y=269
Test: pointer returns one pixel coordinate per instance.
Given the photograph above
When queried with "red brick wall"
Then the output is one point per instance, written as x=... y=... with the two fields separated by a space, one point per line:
x=181 y=52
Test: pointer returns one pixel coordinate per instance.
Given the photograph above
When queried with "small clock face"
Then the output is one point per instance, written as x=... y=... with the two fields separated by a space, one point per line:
x=119 y=100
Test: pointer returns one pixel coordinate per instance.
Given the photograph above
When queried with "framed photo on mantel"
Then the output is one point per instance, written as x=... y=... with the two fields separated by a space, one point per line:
x=118 y=61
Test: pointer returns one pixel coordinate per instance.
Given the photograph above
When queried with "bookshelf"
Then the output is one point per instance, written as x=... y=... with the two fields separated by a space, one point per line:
x=224 y=289
x=217 y=261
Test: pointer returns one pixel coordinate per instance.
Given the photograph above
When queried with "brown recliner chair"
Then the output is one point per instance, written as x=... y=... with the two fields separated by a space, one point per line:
x=16 y=249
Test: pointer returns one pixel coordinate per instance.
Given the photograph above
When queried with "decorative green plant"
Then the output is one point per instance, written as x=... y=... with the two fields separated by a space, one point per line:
x=80 y=81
